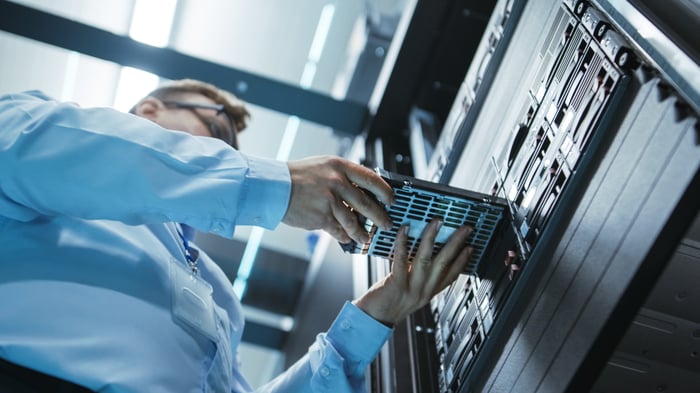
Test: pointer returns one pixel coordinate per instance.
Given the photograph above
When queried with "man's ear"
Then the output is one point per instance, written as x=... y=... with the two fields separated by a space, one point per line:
x=149 y=108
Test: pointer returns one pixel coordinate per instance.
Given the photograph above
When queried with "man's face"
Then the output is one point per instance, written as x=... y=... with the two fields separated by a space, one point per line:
x=184 y=114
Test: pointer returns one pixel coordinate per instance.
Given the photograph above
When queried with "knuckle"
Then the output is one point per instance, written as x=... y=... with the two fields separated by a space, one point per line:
x=334 y=161
x=336 y=180
x=424 y=262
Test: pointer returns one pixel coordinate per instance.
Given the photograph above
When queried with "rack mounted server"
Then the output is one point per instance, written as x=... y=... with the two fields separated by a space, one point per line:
x=572 y=115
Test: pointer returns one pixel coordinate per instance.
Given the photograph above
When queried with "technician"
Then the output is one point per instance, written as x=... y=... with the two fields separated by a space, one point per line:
x=101 y=286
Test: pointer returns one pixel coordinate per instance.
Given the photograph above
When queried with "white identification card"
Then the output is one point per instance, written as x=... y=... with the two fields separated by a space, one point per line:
x=192 y=300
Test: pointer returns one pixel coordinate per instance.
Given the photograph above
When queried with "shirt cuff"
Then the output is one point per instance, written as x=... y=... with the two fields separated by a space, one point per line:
x=265 y=194
x=357 y=336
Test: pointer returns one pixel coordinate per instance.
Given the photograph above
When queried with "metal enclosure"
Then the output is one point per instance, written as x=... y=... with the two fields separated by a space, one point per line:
x=583 y=116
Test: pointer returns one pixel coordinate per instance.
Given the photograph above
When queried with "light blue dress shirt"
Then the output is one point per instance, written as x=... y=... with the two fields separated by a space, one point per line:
x=94 y=282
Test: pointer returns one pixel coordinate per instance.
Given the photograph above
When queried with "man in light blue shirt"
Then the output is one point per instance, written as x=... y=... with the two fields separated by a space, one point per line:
x=100 y=285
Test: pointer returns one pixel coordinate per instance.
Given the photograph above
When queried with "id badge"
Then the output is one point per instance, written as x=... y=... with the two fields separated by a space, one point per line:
x=192 y=302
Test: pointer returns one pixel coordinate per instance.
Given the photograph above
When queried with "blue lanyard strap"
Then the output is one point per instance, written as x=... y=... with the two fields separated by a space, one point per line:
x=191 y=253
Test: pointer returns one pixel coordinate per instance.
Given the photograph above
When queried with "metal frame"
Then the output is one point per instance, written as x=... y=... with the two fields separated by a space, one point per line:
x=346 y=116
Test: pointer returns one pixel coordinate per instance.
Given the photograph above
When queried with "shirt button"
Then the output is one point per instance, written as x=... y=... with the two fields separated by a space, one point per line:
x=345 y=325
x=218 y=228
x=324 y=371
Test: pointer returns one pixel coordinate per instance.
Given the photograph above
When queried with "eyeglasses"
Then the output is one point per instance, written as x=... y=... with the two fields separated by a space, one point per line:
x=226 y=133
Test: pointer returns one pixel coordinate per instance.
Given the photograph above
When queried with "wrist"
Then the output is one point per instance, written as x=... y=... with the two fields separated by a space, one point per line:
x=375 y=314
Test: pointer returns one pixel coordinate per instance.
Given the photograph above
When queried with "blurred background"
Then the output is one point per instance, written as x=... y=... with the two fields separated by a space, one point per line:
x=311 y=44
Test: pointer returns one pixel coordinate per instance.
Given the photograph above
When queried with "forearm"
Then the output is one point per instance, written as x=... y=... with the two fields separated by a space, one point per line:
x=338 y=360
x=102 y=164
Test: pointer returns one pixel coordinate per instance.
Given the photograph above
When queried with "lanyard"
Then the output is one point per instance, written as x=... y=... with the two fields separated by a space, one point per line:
x=191 y=253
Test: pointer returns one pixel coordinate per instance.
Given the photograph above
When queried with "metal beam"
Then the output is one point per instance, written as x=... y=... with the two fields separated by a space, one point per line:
x=31 y=23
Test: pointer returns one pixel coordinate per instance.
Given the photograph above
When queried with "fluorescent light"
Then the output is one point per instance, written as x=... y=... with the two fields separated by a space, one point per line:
x=307 y=77
x=247 y=261
x=239 y=287
x=324 y=24
x=290 y=133
x=70 y=76
x=133 y=85
x=240 y=283
x=317 y=44
x=152 y=20
x=284 y=323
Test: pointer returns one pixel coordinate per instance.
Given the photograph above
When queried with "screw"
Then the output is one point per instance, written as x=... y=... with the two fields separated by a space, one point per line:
x=601 y=30
x=622 y=60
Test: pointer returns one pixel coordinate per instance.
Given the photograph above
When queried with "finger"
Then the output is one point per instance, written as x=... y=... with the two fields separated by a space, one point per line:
x=424 y=256
x=349 y=223
x=371 y=181
x=455 y=269
x=447 y=255
x=339 y=235
x=366 y=206
x=399 y=267
x=336 y=230
x=456 y=242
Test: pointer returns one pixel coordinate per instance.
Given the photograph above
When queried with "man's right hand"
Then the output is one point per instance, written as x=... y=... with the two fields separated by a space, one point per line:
x=410 y=286
x=324 y=189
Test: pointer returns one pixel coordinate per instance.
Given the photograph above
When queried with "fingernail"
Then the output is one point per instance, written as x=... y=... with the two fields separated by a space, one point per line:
x=438 y=223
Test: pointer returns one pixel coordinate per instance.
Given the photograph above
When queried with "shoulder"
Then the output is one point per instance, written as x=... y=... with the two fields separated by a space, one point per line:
x=28 y=95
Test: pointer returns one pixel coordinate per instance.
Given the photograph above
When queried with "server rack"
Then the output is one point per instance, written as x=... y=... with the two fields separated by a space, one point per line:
x=590 y=133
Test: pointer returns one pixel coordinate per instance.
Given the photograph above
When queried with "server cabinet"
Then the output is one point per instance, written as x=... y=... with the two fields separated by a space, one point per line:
x=587 y=126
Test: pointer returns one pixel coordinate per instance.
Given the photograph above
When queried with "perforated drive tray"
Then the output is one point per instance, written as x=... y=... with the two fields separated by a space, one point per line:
x=418 y=202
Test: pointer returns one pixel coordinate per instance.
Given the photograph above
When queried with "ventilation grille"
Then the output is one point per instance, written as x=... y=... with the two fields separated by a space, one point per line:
x=418 y=203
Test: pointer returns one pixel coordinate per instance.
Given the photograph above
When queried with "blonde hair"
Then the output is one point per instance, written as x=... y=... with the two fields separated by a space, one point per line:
x=233 y=106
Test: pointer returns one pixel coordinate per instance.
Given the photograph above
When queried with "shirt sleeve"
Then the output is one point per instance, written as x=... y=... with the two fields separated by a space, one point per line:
x=98 y=163
x=337 y=360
